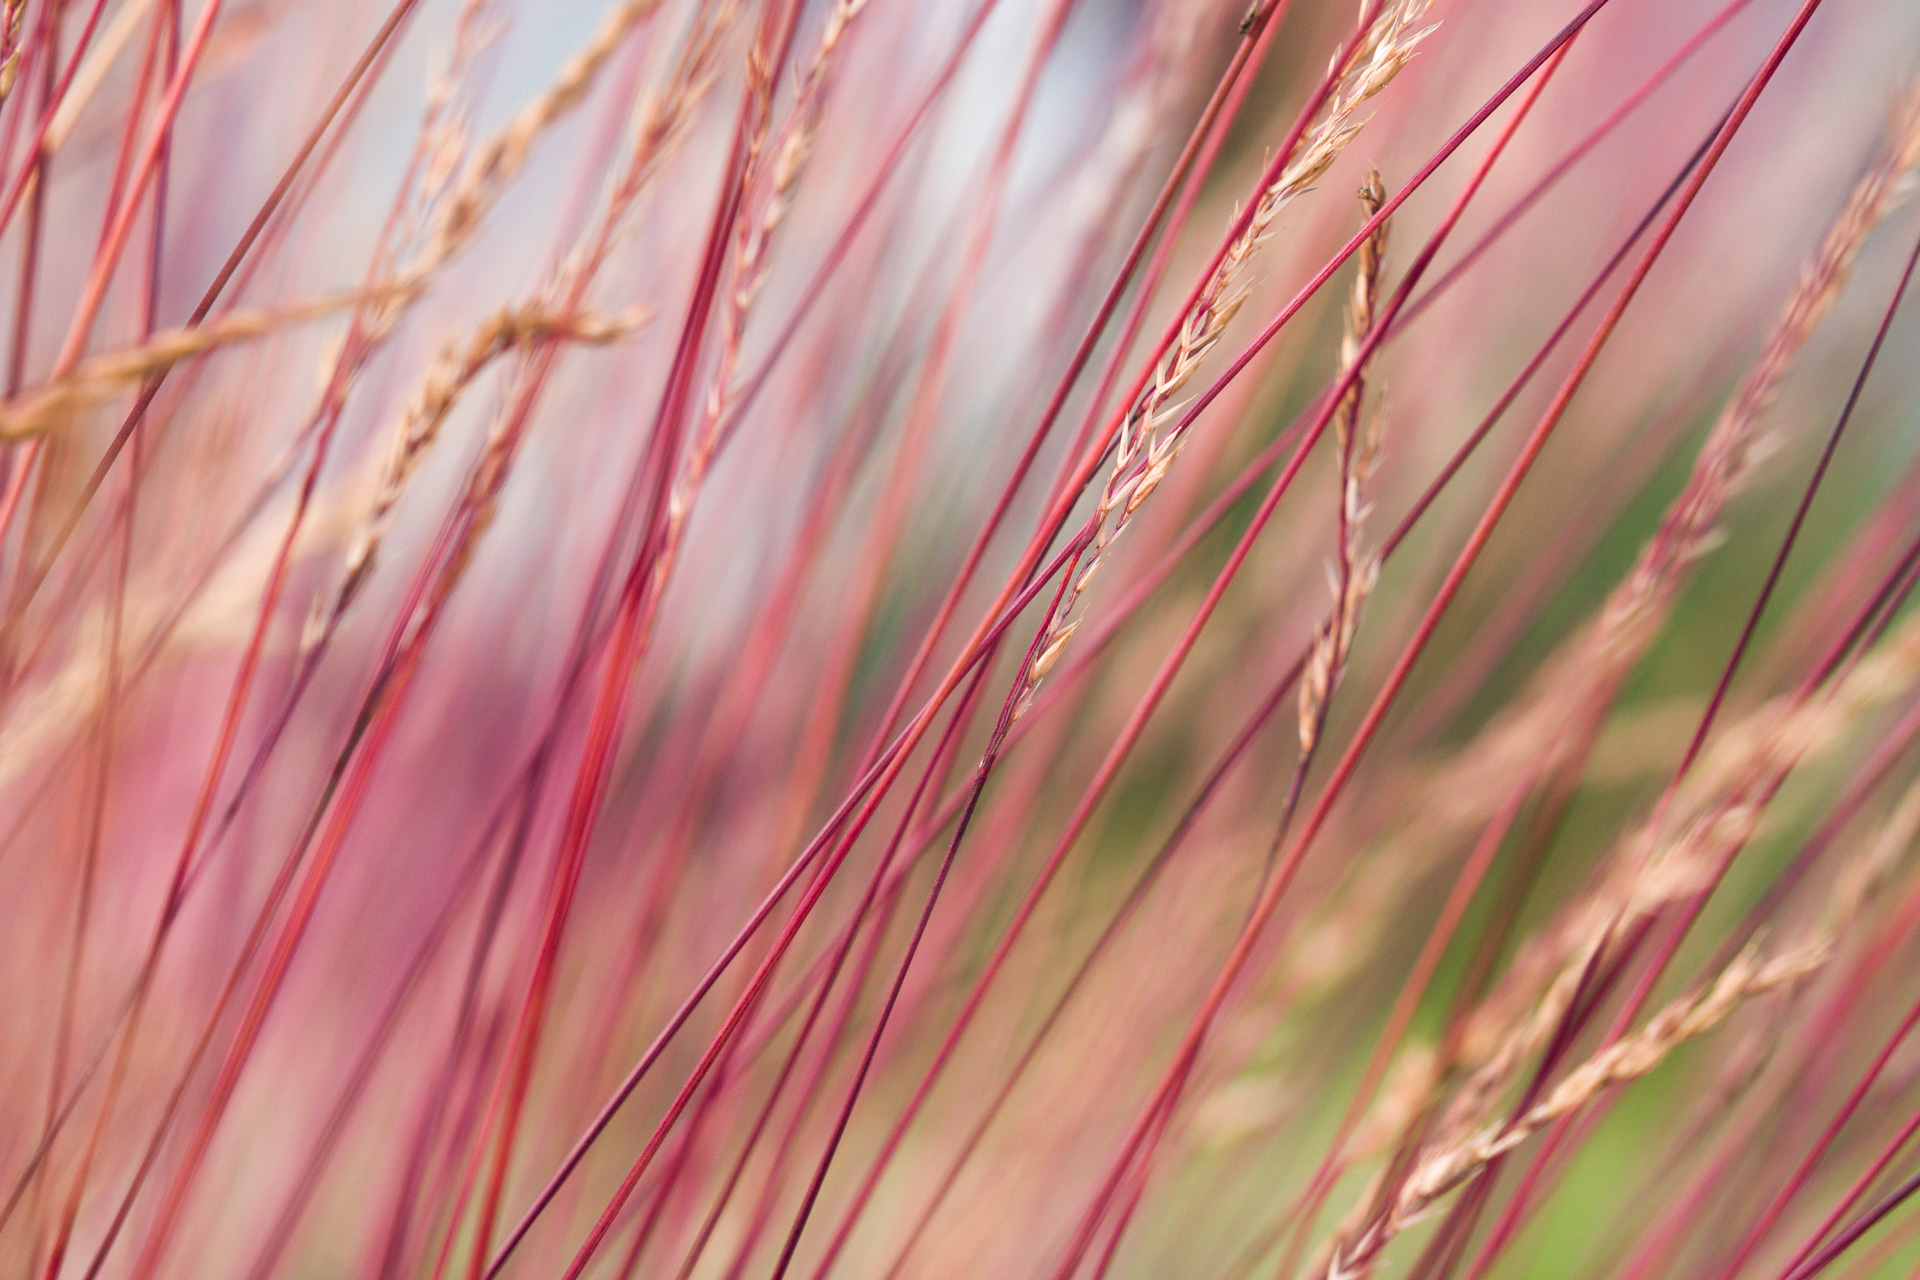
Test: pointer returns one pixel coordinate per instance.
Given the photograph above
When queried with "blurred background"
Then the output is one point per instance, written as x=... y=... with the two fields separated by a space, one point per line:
x=557 y=714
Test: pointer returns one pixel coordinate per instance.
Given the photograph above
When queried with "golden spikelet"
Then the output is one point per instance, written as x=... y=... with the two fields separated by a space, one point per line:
x=489 y=170
x=1715 y=815
x=659 y=120
x=1577 y=683
x=98 y=379
x=457 y=366
x=13 y=15
x=1358 y=453
x=1144 y=452
x=1753 y=973
x=1687 y=1018
x=753 y=237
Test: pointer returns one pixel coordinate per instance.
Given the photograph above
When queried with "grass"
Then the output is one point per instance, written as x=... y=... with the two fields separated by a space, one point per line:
x=716 y=639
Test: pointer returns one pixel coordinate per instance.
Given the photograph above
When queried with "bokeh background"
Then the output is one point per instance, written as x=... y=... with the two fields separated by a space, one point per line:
x=484 y=482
